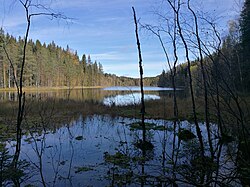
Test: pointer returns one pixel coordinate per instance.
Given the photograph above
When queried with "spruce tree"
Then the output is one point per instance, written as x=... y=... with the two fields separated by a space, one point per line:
x=245 y=43
x=245 y=25
x=46 y=64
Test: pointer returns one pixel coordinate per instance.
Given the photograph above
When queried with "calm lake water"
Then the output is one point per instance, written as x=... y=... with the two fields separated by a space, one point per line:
x=100 y=150
x=76 y=153
x=131 y=95
x=111 y=95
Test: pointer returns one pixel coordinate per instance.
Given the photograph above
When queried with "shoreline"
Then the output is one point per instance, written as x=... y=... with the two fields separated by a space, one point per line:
x=49 y=88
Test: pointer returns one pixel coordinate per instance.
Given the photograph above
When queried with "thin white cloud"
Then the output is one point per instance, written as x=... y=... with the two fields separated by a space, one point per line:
x=111 y=19
x=10 y=14
x=12 y=22
x=112 y=56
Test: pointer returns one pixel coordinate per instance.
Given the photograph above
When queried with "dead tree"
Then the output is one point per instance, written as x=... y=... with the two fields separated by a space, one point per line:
x=180 y=31
x=206 y=107
x=172 y=35
x=141 y=79
x=41 y=11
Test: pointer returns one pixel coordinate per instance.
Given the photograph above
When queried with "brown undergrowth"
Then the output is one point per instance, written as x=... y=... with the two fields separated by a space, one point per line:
x=60 y=111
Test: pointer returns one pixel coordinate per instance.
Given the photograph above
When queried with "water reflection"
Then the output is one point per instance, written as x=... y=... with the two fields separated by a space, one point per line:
x=128 y=99
x=65 y=94
x=102 y=151
x=89 y=94
x=136 y=88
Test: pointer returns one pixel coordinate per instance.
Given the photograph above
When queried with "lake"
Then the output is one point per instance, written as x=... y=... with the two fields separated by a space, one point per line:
x=105 y=150
x=129 y=95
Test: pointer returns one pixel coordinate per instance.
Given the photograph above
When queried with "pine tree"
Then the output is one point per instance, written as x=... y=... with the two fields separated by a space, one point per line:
x=1 y=56
x=46 y=65
x=84 y=70
x=245 y=25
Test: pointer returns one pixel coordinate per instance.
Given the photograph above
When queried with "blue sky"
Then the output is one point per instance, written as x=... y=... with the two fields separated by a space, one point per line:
x=105 y=29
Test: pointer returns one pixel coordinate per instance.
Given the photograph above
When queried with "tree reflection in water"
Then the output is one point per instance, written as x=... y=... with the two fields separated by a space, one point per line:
x=100 y=150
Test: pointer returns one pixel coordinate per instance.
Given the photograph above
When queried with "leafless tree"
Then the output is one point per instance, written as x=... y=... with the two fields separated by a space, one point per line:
x=176 y=6
x=141 y=77
x=171 y=31
x=204 y=77
x=32 y=9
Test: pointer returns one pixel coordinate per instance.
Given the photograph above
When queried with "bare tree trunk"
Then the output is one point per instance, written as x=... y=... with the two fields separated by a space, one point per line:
x=9 y=76
x=216 y=75
x=198 y=131
x=204 y=80
x=21 y=94
x=141 y=79
x=172 y=69
x=176 y=113
x=1 y=70
x=240 y=72
x=21 y=104
x=4 y=76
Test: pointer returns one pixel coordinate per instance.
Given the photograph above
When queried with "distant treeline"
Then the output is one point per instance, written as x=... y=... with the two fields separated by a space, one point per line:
x=229 y=65
x=49 y=65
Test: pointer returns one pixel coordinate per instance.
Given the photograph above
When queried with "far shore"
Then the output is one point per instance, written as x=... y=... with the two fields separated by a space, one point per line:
x=50 y=88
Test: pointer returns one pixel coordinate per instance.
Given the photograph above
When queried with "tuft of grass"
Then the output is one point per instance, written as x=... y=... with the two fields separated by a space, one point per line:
x=148 y=126
x=118 y=158
x=144 y=145
x=160 y=128
x=83 y=169
x=138 y=126
x=79 y=138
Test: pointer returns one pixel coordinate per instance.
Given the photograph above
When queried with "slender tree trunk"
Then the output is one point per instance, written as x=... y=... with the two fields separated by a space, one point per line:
x=27 y=4
x=9 y=76
x=240 y=71
x=218 y=108
x=141 y=78
x=216 y=76
x=198 y=131
x=4 y=76
x=1 y=71
x=173 y=75
x=204 y=80
x=21 y=94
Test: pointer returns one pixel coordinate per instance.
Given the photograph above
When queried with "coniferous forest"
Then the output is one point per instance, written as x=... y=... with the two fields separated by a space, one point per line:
x=49 y=65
